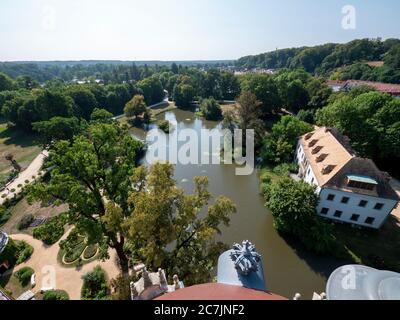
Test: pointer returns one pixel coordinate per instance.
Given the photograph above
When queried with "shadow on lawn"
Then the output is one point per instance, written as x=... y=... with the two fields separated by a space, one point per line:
x=374 y=248
x=18 y=137
x=321 y=264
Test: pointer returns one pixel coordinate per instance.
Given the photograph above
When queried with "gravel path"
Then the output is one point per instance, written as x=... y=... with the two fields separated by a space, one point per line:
x=32 y=170
x=68 y=279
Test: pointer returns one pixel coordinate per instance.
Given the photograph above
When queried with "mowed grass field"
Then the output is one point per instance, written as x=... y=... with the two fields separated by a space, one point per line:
x=18 y=143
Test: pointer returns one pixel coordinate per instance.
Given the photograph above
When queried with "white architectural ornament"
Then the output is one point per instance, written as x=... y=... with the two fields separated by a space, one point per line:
x=152 y=285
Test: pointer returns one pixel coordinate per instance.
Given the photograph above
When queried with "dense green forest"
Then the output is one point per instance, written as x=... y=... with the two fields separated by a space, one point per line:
x=108 y=71
x=339 y=61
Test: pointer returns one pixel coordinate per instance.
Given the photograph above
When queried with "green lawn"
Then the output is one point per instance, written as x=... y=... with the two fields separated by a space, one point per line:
x=13 y=286
x=375 y=248
x=20 y=144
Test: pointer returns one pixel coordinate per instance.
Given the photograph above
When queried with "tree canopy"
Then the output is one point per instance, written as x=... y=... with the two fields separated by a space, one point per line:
x=166 y=227
x=92 y=175
x=293 y=205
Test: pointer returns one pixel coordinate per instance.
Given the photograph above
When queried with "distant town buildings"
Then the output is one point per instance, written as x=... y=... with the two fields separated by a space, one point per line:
x=254 y=71
x=351 y=189
x=392 y=89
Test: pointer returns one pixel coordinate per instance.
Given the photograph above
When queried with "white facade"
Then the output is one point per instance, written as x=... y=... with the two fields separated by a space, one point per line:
x=306 y=172
x=349 y=207
x=354 y=208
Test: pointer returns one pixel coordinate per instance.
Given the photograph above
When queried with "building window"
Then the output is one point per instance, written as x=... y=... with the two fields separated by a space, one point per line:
x=338 y=214
x=355 y=217
x=324 y=211
x=370 y=220
x=331 y=197
x=361 y=185
x=308 y=172
x=379 y=206
x=312 y=180
x=363 y=203
x=345 y=200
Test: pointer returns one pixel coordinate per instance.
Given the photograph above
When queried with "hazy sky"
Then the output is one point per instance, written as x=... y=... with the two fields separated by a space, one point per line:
x=181 y=29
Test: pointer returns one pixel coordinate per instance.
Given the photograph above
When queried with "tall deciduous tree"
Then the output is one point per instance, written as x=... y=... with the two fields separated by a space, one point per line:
x=293 y=206
x=92 y=175
x=248 y=111
x=280 y=143
x=266 y=91
x=172 y=230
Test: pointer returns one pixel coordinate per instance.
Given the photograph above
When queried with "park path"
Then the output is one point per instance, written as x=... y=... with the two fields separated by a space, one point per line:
x=32 y=170
x=68 y=279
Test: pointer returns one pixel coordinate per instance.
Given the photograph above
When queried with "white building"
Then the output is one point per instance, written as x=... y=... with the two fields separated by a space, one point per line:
x=351 y=189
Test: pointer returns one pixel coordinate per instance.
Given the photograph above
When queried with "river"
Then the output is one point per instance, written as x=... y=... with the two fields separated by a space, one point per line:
x=288 y=268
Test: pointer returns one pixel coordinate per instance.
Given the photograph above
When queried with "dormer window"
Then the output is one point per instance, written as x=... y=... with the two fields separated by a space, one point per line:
x=309 y=136
x=321 y=157
x=361 y=182
x=316 y=150
x=312 y=143
x=328 y=169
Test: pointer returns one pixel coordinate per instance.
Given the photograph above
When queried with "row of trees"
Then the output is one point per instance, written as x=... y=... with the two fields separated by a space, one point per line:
x=24 y=106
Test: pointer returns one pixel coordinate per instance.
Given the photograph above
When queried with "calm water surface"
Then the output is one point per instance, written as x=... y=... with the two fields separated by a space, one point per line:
x=288 y=268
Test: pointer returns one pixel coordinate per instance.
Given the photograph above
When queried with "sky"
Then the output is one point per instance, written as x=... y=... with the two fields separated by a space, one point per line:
x=181 y=29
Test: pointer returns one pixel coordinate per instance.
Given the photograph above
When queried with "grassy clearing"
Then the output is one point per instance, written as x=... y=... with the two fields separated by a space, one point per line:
x=18 y=143
x=22 y=209
x=376 y=248
x=13 y=286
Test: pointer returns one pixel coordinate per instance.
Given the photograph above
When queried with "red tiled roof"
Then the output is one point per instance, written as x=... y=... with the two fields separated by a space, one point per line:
x=379 y=86
x=218 y=291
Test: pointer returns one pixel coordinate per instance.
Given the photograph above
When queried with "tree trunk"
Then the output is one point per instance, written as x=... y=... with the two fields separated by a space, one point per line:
x=123 y=259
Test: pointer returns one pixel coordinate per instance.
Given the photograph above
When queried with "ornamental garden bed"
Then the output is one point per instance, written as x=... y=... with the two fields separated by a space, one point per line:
x=75 y=252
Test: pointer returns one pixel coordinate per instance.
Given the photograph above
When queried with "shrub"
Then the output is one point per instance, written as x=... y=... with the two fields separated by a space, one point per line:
x=55 y=295
x=10 y=253
x=26 y=181
x=90 y=252
x=94 y=285
x=12 y=190
x=285 y=169
x=25 y=252
x=24 y=275
x=210 y=109
x=25 y=222
x=52 y=230
x=164 y=125
x=74 y=253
